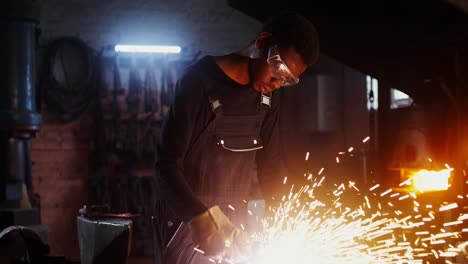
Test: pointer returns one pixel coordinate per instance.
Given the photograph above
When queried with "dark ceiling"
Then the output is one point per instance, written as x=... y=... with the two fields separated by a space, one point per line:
x=412 y=45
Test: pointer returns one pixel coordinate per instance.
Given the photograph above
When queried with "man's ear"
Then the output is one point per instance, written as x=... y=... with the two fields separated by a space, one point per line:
x=263 y=41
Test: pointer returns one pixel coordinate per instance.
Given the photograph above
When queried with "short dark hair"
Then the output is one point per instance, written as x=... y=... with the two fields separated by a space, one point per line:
x=290 y=28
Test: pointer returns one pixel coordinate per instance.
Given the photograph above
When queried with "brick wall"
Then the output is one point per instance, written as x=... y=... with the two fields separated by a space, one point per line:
x=61 y=171
x=61 y=153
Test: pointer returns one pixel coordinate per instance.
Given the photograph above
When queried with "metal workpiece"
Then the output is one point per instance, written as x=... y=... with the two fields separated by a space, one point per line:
x=104 y=240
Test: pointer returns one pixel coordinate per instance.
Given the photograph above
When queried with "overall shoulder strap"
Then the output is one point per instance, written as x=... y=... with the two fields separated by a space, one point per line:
x=265 y=99
x=211 y=92
x=215 y=103
x=265 y=103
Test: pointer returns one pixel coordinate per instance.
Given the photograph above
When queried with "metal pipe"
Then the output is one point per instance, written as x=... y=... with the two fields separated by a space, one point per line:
x=18 y=118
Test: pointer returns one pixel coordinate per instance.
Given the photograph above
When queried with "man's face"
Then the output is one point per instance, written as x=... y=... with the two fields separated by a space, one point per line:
x=281 y=67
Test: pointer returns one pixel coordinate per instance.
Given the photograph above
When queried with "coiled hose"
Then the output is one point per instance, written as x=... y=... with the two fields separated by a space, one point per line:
x=68 y=84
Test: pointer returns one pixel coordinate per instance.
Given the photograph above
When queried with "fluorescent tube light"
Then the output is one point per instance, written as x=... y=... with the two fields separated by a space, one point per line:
x=147 y=49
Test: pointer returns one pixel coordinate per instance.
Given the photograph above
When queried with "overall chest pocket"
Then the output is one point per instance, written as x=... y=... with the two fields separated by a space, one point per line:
x=239 y=133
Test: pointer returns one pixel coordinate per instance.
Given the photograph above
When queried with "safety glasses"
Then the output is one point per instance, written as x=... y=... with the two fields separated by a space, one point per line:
x=279 y=69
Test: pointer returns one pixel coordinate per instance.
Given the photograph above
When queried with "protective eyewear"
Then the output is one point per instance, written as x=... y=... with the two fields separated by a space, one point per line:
x=279 y=69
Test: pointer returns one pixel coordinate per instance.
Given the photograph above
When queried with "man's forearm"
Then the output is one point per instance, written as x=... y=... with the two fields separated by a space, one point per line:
x=178 y=194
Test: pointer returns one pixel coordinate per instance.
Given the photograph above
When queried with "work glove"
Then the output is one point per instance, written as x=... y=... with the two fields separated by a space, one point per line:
x=215 y=235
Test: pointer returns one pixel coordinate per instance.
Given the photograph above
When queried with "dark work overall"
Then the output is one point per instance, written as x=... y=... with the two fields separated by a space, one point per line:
x=221 y=169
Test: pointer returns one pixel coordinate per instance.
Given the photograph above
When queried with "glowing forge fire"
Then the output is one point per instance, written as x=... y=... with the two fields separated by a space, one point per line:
x=306 y=230
x=426 y=181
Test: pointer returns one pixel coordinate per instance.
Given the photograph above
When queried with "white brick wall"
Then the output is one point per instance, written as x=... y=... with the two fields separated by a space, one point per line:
x=210 y=26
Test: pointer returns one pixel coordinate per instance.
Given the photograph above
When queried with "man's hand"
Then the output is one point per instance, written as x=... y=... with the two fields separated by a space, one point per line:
x=215 y=235
x=239 y=248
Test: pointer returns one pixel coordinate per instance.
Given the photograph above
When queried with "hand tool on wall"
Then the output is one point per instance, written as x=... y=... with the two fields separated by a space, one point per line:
x=135 y=89
x=166 y=85
x=100 y=133
x=115 y=108
x=150 y=87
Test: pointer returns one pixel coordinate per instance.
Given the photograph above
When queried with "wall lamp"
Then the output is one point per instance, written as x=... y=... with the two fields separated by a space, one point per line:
x=147 y=49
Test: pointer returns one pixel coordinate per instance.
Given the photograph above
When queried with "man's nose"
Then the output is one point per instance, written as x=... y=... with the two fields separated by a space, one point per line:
x=276 y=83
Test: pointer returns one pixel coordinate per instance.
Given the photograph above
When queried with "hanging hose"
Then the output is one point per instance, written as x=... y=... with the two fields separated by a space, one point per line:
x=68 y=82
